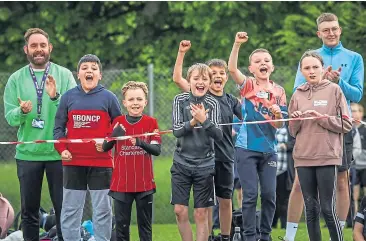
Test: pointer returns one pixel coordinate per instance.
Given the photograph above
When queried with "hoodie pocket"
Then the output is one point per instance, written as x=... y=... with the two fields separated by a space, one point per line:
x=316 y=145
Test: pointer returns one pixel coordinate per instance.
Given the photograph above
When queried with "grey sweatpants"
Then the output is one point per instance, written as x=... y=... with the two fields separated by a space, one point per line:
x=77 y=180
x=72 y=213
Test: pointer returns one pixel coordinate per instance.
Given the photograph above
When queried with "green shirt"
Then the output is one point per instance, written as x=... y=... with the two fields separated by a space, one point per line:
x=20 y=84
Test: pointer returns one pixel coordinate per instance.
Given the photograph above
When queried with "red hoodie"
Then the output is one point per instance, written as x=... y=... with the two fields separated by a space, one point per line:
x=85 y=115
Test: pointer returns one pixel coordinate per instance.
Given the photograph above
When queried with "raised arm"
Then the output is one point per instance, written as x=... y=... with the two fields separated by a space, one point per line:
x=239 y=77
x=182 y=83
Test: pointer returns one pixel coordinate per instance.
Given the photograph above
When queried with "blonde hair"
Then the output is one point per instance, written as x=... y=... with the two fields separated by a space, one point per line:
x=326 y=17
x=202 y=69
x=32 y=31
x=133 y=85
x=258 y=51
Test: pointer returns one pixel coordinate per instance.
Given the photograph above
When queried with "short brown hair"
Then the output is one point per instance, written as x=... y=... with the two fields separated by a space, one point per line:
x=311 y=53
x=360 y=107
x=132 y=85
x=217 y=63
x=32 y=31
x=90 y=58
x=258 y=51
x=202 y=68
x=326 y=17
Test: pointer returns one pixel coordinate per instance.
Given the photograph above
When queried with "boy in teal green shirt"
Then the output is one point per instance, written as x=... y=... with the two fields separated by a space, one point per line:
x=31 y=98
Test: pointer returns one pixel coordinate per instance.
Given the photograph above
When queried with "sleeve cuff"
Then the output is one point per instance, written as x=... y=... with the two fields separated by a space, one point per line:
x=322 y=121
x=240 y=87
x=187 y=125
x=118 y=131
x=21 y=114
x=340 y=82
x=60 y=147
x=206 y=124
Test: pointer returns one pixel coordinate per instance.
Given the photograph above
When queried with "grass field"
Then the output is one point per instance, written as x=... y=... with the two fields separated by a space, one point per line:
x=164 y=228
x=169 y=232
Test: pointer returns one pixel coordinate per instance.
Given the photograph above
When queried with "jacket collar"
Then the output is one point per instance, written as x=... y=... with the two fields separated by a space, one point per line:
x=332 y=50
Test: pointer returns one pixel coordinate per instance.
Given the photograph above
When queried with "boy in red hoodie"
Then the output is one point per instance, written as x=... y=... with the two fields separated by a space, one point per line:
x=86 y=111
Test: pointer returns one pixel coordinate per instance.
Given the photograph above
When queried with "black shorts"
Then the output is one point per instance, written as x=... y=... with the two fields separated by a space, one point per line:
x=202 y=180
x=347 y=158
x=224 y=179
x=82 y=178
x=360 y=177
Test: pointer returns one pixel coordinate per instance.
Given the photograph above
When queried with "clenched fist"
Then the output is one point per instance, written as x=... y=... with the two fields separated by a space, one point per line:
x=66 y=156
x=184 y=46
x=241 y=37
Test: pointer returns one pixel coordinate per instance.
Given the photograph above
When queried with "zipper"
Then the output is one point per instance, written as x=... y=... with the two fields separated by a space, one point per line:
x=331 y=56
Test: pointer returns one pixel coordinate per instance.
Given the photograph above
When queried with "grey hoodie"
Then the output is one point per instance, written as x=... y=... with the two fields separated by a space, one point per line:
x=319 y=142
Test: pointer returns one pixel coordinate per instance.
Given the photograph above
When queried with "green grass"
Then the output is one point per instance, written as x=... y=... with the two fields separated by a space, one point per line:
x=169 y=232
x=164 y=228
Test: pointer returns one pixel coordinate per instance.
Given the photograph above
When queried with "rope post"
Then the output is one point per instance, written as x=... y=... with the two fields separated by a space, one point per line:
x=150 y=77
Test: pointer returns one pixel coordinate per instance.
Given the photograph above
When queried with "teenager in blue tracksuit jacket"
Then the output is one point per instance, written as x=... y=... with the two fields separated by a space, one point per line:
x=347 y=69
x=352 y=70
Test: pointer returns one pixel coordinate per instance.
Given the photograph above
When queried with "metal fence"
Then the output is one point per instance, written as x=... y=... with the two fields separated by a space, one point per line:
x=161 y=93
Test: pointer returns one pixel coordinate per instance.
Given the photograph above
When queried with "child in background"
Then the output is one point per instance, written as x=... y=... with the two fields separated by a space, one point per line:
x=359 y=153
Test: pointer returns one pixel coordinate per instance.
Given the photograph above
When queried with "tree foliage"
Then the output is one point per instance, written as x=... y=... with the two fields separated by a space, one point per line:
x=134 y=34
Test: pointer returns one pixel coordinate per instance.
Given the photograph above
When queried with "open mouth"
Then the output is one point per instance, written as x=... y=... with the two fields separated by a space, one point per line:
x=135 y=107
x=38 y=56
x=218 y=82
x=200 y=89
x=89 y=78
x=263 y=70
x=312 y=77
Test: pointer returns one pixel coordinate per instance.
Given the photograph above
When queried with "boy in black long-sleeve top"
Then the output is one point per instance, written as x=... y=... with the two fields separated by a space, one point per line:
x=194 y=156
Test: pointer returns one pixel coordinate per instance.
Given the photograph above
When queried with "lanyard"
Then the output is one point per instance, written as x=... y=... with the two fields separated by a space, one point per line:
x=39 y=89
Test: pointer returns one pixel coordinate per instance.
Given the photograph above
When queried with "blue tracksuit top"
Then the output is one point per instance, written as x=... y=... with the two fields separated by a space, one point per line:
x=352 y=73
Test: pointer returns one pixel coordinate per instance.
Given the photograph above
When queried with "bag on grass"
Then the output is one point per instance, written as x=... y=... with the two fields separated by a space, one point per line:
x=6 y=216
